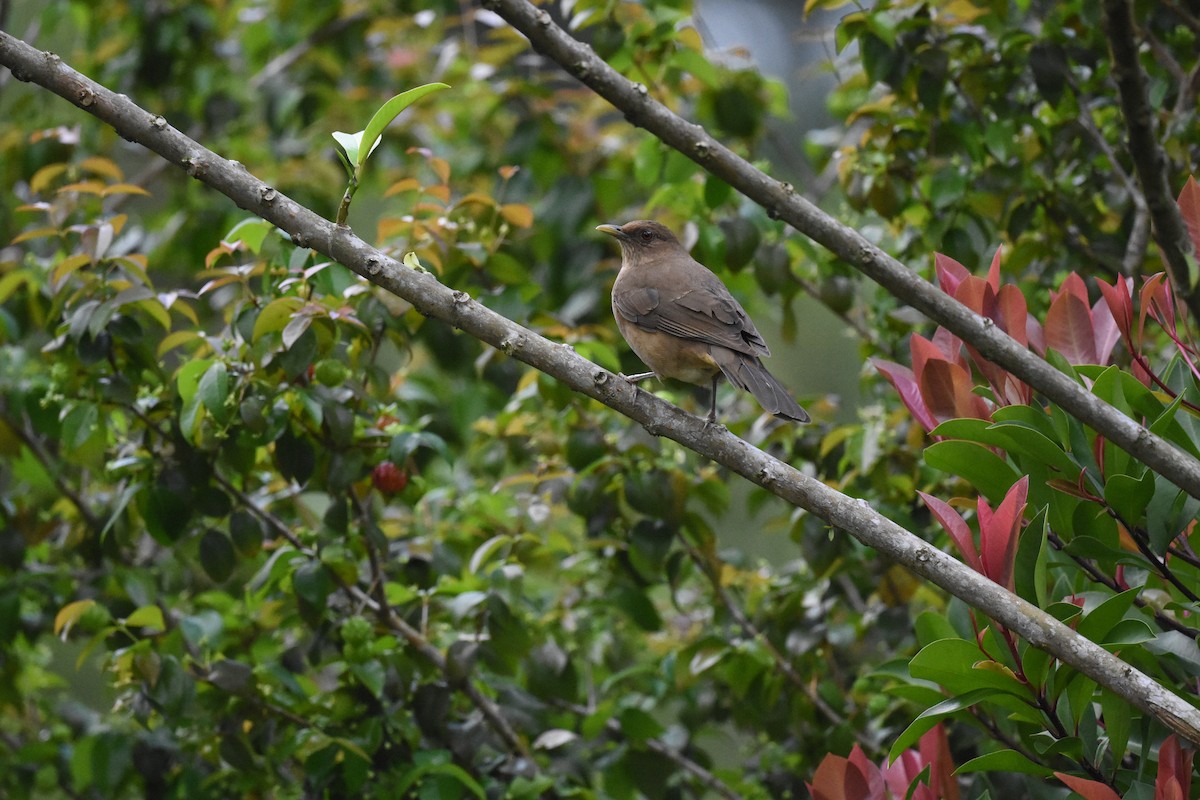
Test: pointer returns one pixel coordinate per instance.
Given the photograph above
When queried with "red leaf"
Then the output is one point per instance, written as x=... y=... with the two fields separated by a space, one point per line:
x=935 y=751
x=1035 y=334
x=902 y=380
x=902 y=772
x=838 y=779
x=1069 y=328
x=947 y=391
x=1156 y=300
x=998 y=533
x=1012 y=312
x=1104 y=326
x=975 y=294
x=1120 y=305
x=953 y=524
x=1089 y=790
x=1072 y=284
x=993 y=277
x=875 y=784
x=950 y=345
x=1174 y=781
x=950 y=273
x=1189 y=209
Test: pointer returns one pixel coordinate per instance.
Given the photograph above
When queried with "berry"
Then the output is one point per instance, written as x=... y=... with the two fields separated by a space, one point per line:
x=388 y=478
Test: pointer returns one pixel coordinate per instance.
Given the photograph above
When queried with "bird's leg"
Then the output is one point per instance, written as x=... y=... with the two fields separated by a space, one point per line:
x=641 y=376
x=712 y=409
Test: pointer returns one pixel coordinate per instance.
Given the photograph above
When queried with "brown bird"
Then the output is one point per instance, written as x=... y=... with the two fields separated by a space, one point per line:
x=684 y=324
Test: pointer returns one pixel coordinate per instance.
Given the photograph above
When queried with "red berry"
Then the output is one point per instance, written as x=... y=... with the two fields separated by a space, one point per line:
x=388 y=478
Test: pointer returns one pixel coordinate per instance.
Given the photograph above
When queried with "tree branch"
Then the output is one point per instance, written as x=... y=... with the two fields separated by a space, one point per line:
x=490 y=710
x=660 y=418
x=782 y=202
x=1149 y=160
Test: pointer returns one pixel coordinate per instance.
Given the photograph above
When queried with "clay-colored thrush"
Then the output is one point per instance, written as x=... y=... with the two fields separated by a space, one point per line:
x=684 y=324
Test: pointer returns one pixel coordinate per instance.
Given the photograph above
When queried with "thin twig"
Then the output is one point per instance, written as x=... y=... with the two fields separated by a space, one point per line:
x=1149 y=160
x=705 y=777
x=54 y=470
x=1139 y=235
x=455 y=307
x=411 y=635
x=782 y=664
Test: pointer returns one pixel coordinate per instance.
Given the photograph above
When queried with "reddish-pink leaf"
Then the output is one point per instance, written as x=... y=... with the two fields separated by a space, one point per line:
x=1156 y=299
x=1104 y=326
x=902 y=772
x=958 y=531
x=1120 y=306
x=950 y=345
x=947 y=391
x=1189 y=209
x=1069 y=329
x=922 y=351
x=936 y=380
x=837 y=779
x=1012 y=312
x=935 y=751
x=905 y=384
x=950 y=273
x=998 y=533
x=874 y=778
x=974 y=293
x=1072 y=284
x=1088 y=789
x=1174 y=781
x=993 y=277
x=1035 y=335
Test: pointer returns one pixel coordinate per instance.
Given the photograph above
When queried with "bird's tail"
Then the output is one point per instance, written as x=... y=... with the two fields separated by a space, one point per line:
x=747 y=372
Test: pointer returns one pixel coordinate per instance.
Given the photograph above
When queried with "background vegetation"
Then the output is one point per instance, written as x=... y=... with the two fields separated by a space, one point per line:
x=268 y=532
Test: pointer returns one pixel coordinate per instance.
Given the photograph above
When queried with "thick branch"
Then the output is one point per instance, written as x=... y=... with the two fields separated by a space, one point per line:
x=782 y=202
x=660 y=418
x=1149 y=160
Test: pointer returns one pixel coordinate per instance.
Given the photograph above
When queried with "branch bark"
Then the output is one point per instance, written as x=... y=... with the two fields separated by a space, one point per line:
x=660 y=418
x=1149 y=160
x=782 y=202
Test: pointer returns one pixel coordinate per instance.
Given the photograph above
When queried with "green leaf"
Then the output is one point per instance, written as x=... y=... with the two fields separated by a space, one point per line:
x=1129 y=496
x=250 y=232
x=974 y=463
x=1029 y=571
x=1097 y=623
x=371 y=135
x=960 y=667
x=931 y=716
x=79 y=425
x=933 y=627
x=1025 y=439
x=146 y=617
x=213 y=389
x=370 y=674
x=217 y=555
x=638 y=725
x=348 y=145
x=1003 y=761
x=70 y=614
x=275 y=316
x=1118 y=721
x=187 y=380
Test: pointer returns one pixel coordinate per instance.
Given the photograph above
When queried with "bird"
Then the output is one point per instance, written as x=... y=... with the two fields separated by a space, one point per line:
x=683 y=323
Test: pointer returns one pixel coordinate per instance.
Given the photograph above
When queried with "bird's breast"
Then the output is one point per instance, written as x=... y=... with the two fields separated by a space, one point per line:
x=669 y=356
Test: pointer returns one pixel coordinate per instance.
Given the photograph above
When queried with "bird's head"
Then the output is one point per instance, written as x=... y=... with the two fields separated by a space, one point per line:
x=642 y=239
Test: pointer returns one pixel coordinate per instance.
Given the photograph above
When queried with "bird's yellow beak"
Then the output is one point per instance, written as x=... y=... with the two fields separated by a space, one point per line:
x=611 y=230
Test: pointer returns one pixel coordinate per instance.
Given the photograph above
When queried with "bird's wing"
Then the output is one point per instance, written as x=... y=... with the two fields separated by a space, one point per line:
x=707 y=314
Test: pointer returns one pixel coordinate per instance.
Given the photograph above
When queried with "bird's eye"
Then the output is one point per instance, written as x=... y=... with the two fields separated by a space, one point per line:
x=647 y=235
